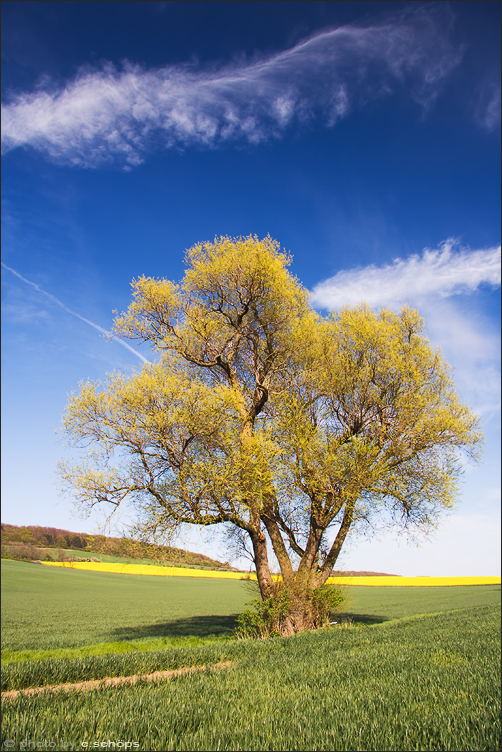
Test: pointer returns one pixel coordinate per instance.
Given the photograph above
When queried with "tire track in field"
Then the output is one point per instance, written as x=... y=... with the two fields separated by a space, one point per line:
x=111 y=681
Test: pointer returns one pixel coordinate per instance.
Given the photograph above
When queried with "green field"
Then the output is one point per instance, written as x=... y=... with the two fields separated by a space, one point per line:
x=431 y=683
x=389 y=679
x=46 y=608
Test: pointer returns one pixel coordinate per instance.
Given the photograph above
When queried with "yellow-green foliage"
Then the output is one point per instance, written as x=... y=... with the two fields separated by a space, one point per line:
x=263 y=414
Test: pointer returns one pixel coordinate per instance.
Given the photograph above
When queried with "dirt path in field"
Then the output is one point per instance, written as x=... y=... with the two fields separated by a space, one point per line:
x=112 y=681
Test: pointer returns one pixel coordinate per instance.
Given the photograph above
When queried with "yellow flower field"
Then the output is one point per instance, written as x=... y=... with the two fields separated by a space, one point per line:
x=147 y=569
x=414 y=581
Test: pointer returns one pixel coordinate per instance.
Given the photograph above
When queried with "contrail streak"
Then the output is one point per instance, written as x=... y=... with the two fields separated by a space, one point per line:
x=77 y=315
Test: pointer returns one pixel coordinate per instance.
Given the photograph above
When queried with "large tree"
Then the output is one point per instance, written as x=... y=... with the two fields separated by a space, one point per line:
x=264 y=415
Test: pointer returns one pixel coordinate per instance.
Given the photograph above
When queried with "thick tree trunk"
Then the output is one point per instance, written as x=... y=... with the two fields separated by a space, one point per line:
x=265 y=582
x=328 y=565
x=279 y=548
x=303 y=613
x=299 y=617
x=299 y=608
x=305 y=570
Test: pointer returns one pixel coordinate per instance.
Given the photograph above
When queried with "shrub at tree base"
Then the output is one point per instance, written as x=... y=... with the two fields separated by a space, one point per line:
x=287 y=612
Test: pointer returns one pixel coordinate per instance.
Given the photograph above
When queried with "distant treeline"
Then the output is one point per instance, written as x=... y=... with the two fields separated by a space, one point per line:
x=51 y=537
x=33 y=537
x=336 y=573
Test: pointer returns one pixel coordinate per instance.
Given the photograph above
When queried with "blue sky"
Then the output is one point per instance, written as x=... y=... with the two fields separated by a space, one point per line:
x=363 y=136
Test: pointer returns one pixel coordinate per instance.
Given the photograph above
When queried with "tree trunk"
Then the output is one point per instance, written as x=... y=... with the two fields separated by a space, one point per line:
x=330 y=561
x=302 y=613
x=278 y=547
x=265 y=582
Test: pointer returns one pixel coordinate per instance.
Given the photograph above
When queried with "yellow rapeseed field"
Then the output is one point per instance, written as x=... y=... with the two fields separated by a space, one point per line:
x=414 y=581
x=147 y=569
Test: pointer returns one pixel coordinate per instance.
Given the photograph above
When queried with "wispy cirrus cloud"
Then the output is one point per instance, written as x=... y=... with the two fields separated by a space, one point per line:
x=487 y=112
x=119 y=115
x=443 y=272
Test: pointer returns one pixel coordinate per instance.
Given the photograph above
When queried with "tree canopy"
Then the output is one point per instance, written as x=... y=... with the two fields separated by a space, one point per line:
x=262 y=414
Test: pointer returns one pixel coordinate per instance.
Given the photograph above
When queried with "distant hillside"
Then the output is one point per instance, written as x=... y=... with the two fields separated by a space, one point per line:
x=32 y=536
x=50 y=537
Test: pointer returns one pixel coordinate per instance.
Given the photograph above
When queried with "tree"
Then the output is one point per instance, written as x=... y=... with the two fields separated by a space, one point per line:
x=260 y=413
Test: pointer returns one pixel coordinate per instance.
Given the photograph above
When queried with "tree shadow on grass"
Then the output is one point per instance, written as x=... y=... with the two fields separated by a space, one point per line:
x=360 y=618
x=194 y=626
x=217 y=626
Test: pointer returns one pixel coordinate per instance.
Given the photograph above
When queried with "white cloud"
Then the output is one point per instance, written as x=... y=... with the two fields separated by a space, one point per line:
x=471 y=345
x=25 y=314
x=109 y=114
x=446 y=271
x=488 y=106
x=433 y=283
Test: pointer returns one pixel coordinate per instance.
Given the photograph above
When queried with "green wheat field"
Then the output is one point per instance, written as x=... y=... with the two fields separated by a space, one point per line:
x=403 y=668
